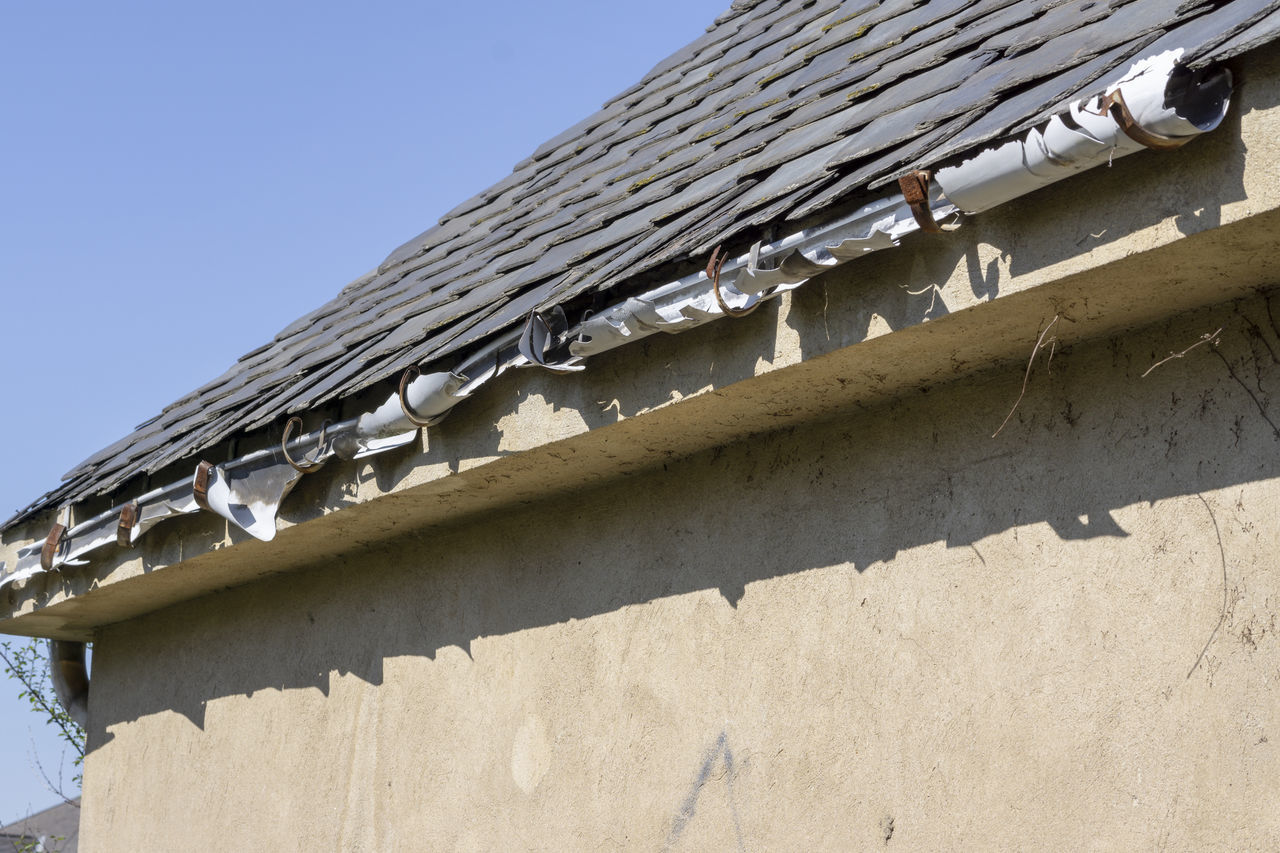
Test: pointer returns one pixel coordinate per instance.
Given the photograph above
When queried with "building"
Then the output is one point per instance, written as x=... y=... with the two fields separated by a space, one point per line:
x=964 y=543
x=53 y=830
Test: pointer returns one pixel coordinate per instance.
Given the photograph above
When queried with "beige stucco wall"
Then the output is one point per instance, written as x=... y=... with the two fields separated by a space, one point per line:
x=886 y=631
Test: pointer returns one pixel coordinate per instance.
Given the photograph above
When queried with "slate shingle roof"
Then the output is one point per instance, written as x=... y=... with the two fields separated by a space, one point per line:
x=780 y=111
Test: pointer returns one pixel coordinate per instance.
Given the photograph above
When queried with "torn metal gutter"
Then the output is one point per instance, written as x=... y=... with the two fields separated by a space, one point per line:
x=248 y=491
x=745 y=281
x=1164 y=104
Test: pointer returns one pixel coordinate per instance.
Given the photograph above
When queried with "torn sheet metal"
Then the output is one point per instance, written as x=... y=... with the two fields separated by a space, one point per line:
x=250 y=497
x=27 y=564
x=544 y=334
x=160 y=505
x=430 y=397
x=248 y=491
x=88 y=537
x=103 y=529
x=1164 y=102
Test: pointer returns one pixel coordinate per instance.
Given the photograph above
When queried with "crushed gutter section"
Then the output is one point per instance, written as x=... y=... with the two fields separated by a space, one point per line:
x=1156 y=104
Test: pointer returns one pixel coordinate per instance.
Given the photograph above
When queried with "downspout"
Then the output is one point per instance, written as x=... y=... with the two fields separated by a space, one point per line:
x=70 y=679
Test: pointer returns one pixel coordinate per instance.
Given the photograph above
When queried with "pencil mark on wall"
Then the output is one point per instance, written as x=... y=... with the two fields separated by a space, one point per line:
x=720 y=755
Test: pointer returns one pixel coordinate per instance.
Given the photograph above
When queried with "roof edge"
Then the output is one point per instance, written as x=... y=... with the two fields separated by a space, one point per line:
x=544 y=342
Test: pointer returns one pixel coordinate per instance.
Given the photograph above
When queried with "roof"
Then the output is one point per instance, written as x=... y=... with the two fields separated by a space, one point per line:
x=784 y=113
x=55 y=829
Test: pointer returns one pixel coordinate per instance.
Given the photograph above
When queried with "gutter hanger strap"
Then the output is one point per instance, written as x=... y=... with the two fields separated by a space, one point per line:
x=124 y=529
x=915 y=190
x=52 y=544
x=713 y=273
x=306 y=466
x=1156 y=104
x=1114 y=103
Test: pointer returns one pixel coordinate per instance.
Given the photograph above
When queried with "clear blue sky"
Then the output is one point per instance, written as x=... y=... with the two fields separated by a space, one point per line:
x=180 y=181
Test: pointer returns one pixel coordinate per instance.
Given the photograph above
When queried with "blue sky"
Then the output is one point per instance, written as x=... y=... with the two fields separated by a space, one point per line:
x=179 y=182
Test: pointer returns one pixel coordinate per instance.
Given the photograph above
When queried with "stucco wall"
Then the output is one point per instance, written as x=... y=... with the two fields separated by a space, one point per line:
x=889 y=630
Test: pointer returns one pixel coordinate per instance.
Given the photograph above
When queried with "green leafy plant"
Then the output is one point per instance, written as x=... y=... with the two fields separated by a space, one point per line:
x=39 y=845
x=28 y=664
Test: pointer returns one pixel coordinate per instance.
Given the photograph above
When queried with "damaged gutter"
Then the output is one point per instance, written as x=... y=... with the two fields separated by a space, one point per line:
x=1156 y=104
x=248 y=491
x=741 y=283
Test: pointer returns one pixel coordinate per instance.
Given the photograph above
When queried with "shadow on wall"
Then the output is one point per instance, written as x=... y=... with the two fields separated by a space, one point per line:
x=1091 y=436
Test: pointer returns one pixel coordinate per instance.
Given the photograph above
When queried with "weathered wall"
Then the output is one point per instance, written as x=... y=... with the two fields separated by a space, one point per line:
x=890 y=630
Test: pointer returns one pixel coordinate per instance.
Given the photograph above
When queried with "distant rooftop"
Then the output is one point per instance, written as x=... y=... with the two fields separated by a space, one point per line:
x=54 y=830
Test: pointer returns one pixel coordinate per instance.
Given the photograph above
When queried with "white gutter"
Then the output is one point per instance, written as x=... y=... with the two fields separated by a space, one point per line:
x=1155 y=104
x=1166 y=106
x=744 y=281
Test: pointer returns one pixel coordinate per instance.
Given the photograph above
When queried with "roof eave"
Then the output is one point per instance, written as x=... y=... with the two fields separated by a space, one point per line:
x=1105 y=251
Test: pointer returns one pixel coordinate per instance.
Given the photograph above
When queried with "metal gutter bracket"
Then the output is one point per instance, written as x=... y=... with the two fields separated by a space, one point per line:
x=422 y=400
x=915 y=189
x=713 y=273
x=1115 y=104
x=318 y=456
x=124 y=528
x=52 y=545
x=200 y=485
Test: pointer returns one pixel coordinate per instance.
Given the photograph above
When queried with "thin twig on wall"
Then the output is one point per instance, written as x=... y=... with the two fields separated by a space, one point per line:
x=1204 y=339
x=1222 y=617
x=1040 y=344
